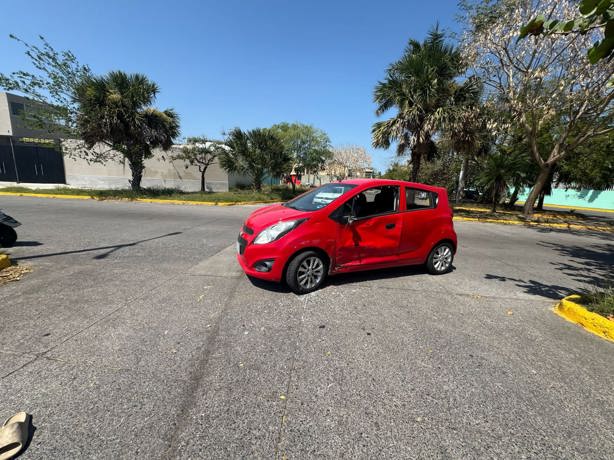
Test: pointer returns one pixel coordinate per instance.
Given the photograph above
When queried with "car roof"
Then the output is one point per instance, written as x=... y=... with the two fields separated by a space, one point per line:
x=378 y=182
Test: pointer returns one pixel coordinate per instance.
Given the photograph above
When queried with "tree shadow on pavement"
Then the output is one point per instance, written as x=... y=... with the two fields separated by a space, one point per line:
x=533 y=287
x=591 y=265
x=110 y=249
x=27 y=243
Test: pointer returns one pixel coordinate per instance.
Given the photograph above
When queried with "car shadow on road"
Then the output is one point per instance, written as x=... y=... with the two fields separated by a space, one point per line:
x=110 y=249
x=587 y=264
x=350 y=278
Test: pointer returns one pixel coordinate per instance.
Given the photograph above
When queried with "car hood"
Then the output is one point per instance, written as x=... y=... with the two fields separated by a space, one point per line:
x=269 y=215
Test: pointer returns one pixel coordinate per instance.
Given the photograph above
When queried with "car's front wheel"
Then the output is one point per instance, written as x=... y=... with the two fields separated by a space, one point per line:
x=8 y=236
x=440 y=259
x=306 y=272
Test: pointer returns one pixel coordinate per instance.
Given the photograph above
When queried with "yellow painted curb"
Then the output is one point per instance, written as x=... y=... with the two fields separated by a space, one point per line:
x=592 y=322
x=579 y=208
x=4 y=261
x=535 y=224
x=142 y=200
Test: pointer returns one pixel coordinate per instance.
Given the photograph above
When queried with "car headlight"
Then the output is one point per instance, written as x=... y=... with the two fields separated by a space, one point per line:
x=276 y=231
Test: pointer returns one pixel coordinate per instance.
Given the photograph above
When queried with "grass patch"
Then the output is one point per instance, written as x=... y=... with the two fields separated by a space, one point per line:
x=274 y=193
x=600 y=302
x=481 y=211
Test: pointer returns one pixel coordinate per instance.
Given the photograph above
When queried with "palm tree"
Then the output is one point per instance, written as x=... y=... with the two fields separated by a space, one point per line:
x=498 y=172
x=421 y=87
x=254 y=153
x=467 y=132
x=115 y=110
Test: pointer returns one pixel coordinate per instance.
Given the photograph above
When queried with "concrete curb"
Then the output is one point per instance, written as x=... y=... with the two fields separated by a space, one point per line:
x=592 y=322
x=535 y=224
x=142 y=200
x=4 y=261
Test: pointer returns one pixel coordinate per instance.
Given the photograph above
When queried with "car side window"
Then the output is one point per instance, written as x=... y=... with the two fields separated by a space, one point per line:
x=374 y=201
x=419 y=199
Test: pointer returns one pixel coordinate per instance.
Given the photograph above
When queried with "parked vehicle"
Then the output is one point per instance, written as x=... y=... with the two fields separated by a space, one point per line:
x=348 y=226
x=8 y=235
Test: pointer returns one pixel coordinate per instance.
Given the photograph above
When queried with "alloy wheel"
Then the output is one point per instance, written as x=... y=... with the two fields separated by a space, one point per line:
x=310 y=272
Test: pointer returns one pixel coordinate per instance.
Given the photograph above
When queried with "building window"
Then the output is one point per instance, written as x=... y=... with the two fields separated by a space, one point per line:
x=17 y=108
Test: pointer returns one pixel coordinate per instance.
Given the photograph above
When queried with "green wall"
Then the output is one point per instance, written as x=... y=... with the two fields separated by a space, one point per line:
x=585 y=198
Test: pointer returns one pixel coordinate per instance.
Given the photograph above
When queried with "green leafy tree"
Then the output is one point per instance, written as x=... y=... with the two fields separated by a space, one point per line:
x=539 y=82
x=308 y=146
x=421 y=88
x=594 y=15
x=254 y=153
x=52 y=85
x=396 y=171
x=115 y=110
x=200 y=152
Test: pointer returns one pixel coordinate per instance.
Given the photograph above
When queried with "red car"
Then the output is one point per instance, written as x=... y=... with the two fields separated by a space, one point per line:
x=348 y=226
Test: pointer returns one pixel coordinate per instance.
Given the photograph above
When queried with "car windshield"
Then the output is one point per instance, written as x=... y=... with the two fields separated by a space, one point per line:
x=320 y=197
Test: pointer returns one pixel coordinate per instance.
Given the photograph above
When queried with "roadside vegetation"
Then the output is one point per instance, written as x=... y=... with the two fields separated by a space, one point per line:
x=600 y=302
x=266 y=194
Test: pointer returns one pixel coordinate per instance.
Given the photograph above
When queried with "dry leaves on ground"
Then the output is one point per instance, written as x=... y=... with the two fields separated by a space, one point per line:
x=13 y=273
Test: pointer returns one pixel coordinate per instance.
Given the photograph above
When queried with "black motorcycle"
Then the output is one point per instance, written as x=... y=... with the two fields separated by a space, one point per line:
x=8 y=235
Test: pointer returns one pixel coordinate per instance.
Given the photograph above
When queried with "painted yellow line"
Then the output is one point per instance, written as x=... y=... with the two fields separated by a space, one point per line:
x=579 y=208
x=142 y=200
x=48 y=195
x=573 y=312
x=536 y=224
x=4 y=261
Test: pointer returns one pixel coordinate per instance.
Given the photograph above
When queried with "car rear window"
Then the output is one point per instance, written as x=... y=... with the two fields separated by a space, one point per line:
x=419 y=199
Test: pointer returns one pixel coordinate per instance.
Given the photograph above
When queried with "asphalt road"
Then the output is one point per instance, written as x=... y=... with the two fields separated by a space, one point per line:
x=137 y=335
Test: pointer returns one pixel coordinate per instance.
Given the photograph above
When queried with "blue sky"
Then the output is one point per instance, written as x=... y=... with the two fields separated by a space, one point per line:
x=249 y=63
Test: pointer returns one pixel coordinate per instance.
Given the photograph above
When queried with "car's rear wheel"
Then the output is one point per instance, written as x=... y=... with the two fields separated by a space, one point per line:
x=440 y=259
x=306 y=272
x=8 y=236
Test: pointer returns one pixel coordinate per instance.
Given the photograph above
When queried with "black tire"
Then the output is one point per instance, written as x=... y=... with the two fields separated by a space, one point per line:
x=440 y=259
x=298 y=276
x=8 y=236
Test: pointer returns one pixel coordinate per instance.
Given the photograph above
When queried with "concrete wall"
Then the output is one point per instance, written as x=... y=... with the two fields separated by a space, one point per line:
x=584 y=198
x=5 y=116
x=14 y=125
x=159 y=172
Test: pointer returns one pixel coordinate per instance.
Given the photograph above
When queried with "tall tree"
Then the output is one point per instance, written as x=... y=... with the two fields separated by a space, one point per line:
x=420 y=87
x=200 y=152
x=308 y=146
x=254 y=153
x=115 y=110
x=52 y=85
x=539 y=81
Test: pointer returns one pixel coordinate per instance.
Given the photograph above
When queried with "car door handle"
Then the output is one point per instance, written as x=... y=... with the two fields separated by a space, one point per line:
x=389 y=226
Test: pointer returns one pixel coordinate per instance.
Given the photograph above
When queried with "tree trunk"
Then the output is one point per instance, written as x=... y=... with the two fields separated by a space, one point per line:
x=202 y=182
x=416 y=159
x=292 y=181
x=136 y=167
x=541 y=181
x=461 y=179
x=258 y=183
x=540 y=201
x=514 y=197
x=495 y=197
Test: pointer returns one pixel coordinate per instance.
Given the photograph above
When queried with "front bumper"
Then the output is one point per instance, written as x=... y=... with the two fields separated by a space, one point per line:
x=248 y=255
